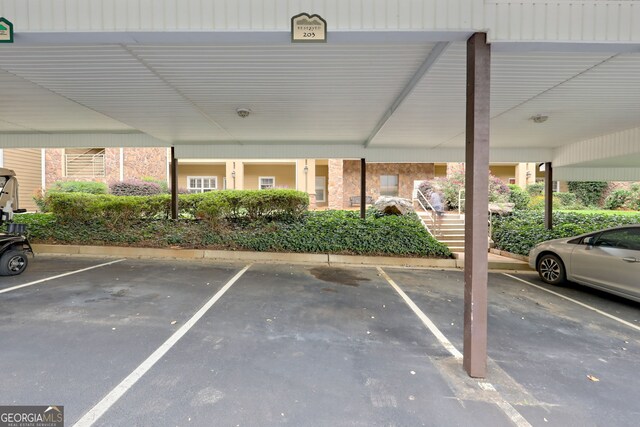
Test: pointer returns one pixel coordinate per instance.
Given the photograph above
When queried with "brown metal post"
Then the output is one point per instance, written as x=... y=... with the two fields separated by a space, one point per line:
x=363 y=188
x=548 y=196
x=174 y=185
x=476 y=206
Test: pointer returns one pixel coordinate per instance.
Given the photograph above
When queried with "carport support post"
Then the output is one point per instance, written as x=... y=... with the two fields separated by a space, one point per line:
x=476 y=206
x=363 y=188
x=174 y=184
x=548 y=196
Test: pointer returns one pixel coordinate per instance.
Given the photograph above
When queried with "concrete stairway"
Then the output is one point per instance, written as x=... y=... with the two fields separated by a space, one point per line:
x=451 y=231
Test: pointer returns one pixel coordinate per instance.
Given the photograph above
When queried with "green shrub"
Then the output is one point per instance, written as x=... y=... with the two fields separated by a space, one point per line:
x=134 y=187
x=536 y=189
x=104 y=208
x=325 y=232
x=164 y=187
x=79 y=187
x=519 y=197
x=588 y=192
x=520 y=232
x=617 y=199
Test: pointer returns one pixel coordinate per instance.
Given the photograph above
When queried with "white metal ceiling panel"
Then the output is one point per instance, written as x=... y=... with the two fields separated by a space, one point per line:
x=320 y=92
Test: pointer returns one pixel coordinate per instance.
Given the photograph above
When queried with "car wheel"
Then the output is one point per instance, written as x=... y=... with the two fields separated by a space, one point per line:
x=551 y=269
x=13 y=262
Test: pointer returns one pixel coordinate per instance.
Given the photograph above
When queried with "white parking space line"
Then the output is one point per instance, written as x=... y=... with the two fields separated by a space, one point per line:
x=603 y=313
x=13 y=288
x=427 y=322
x=505 y=406
x=110 y=399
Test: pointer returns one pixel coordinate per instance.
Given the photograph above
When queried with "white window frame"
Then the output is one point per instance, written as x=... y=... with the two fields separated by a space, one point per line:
x=202 y=188
x=273 y=178
x=324 y=188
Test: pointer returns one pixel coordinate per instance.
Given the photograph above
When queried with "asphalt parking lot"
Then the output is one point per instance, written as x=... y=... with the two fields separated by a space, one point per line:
x=197 y=343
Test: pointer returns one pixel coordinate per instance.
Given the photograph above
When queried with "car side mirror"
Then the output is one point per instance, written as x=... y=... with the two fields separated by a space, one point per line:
x=589 y=241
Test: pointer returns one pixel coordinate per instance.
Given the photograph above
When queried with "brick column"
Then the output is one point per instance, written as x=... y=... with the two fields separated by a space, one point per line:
x=335 y=184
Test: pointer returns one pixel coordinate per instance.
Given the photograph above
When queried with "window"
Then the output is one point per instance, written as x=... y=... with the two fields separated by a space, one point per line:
x=623 y=238
x=512 y=181
x=201 y=184
x=389 y=185
x=320 y=188
x=266 y=182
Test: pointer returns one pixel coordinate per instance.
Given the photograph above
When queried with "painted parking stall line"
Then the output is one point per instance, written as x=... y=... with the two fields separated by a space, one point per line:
x=114 y=395
x=603 y=313
x=511 y=412
x=425 y=319
x=46 y=279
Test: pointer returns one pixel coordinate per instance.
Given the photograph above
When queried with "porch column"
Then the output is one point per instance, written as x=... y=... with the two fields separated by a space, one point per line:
x=174 y=185
x=548 y=196
x=363 y=188
x=476 y=206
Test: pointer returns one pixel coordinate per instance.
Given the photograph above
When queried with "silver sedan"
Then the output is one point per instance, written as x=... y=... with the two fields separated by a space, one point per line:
x=608 y=260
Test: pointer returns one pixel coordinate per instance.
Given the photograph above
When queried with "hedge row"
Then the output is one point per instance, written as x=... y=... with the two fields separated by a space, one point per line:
x=212 y=206
x=520 y=232
x=314 y=232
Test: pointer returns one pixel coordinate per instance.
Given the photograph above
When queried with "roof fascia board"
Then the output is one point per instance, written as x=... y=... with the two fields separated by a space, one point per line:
x=596 y=174
x=64 y=140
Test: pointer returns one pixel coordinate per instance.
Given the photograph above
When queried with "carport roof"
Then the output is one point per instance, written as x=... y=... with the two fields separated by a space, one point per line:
x=391 y=92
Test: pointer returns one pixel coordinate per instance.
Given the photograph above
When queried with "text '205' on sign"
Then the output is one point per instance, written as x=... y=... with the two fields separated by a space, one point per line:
x=307 y=28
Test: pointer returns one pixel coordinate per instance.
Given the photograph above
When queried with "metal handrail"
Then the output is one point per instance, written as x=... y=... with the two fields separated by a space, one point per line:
x=431 y=211
x=460 y=200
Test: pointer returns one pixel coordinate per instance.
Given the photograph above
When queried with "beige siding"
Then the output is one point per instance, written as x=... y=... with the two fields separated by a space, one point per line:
x=285 y=175
x=186 y=170
x=27 y=165
x=503 y=172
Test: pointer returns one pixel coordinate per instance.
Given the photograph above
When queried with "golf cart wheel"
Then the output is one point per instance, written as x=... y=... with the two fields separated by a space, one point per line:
x=13 y=262
x=551 y=269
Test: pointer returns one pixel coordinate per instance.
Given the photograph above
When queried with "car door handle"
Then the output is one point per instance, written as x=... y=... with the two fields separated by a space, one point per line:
x=630 y=259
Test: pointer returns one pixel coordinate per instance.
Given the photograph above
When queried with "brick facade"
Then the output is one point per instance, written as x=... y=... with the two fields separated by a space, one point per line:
x=334 y=184
x=138 y=163
x=407 y=174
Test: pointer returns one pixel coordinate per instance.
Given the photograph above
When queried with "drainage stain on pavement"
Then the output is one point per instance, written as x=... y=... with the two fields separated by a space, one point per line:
x=338 y=276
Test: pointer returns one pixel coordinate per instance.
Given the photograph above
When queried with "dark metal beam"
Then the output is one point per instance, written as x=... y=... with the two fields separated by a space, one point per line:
x=548 y=196
x=363 y=188
x=174 y=185
x=476 y=206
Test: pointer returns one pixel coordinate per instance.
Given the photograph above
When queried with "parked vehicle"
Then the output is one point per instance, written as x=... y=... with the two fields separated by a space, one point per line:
x=14 y=246
x=608 y=260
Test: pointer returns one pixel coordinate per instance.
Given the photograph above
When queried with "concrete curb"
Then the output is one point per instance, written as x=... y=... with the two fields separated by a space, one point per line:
x=277 y=257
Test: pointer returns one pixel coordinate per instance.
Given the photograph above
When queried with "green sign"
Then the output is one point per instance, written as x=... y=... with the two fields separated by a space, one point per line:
x=6 y=31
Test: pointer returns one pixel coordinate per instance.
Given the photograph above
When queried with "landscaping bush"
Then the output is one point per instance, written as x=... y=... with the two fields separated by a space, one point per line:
x=520 y=232
x=519 y=197
x=134 y=187
x=536 y=189
x=323 y=232
x=617 y=199
x=106 y=209
x=211 y=206
x=164 y=187
x=90 y=187
x=588 y=192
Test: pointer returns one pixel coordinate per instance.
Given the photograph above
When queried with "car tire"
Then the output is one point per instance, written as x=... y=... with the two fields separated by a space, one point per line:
x=551 y=269
x=13 y=262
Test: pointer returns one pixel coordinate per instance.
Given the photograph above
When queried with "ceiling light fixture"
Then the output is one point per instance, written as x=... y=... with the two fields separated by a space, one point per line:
x=539 y=118
x=243 y=112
